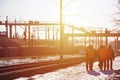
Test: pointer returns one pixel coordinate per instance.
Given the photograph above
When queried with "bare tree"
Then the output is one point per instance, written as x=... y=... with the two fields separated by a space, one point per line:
x=116 y=16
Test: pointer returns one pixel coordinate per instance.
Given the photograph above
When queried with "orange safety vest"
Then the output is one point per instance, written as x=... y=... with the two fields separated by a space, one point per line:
x=110 y=53
x=102 y=53
x=90 y=53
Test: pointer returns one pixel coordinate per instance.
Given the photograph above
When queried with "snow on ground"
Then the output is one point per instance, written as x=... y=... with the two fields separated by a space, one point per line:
x=30 y=60
x=76 y=72
x=26 y=60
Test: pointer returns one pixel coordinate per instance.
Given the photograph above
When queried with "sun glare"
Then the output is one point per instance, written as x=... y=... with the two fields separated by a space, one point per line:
x=81 y=13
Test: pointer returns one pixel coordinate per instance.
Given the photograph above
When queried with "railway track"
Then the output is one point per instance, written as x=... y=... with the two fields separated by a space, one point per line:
x=26 y=70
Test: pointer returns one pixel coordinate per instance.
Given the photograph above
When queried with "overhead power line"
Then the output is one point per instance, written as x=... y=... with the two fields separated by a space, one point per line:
x=68 y=4
x=54 y=1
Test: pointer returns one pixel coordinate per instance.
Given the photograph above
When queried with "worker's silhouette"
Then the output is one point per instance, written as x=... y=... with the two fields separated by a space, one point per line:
x=110 y=57
x=102 y=57
x=90 y=56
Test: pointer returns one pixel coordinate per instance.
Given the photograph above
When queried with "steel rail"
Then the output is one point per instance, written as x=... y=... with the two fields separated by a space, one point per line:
x=26 y=70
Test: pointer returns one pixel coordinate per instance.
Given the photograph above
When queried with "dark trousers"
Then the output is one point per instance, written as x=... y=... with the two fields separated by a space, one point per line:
x=109 y=64
x=89 y=64
x=102 y=64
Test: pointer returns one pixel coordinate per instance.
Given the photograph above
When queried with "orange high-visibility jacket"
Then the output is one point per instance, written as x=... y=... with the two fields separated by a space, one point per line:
x=90 y=53
x=110 y=53
x=102 y=52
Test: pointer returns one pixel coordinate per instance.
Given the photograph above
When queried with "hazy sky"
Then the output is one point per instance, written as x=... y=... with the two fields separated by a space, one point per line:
x=79 y=12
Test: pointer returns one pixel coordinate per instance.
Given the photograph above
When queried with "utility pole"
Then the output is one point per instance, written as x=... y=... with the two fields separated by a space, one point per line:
x=61 y=31
x=6 y=24
x=106 y=37
x=10 y=27
x=15 y=30
x=29 y=43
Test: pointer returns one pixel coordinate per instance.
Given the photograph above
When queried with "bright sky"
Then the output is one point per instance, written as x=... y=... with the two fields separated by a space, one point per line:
x=79 y=12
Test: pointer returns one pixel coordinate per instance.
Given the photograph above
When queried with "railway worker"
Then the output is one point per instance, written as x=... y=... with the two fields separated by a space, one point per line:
x=98 y=55
x=90 y=56
x=102 y=57
x=110 y=57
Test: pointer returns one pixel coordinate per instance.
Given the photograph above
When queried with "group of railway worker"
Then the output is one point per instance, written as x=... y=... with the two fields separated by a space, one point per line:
x=104 y=55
